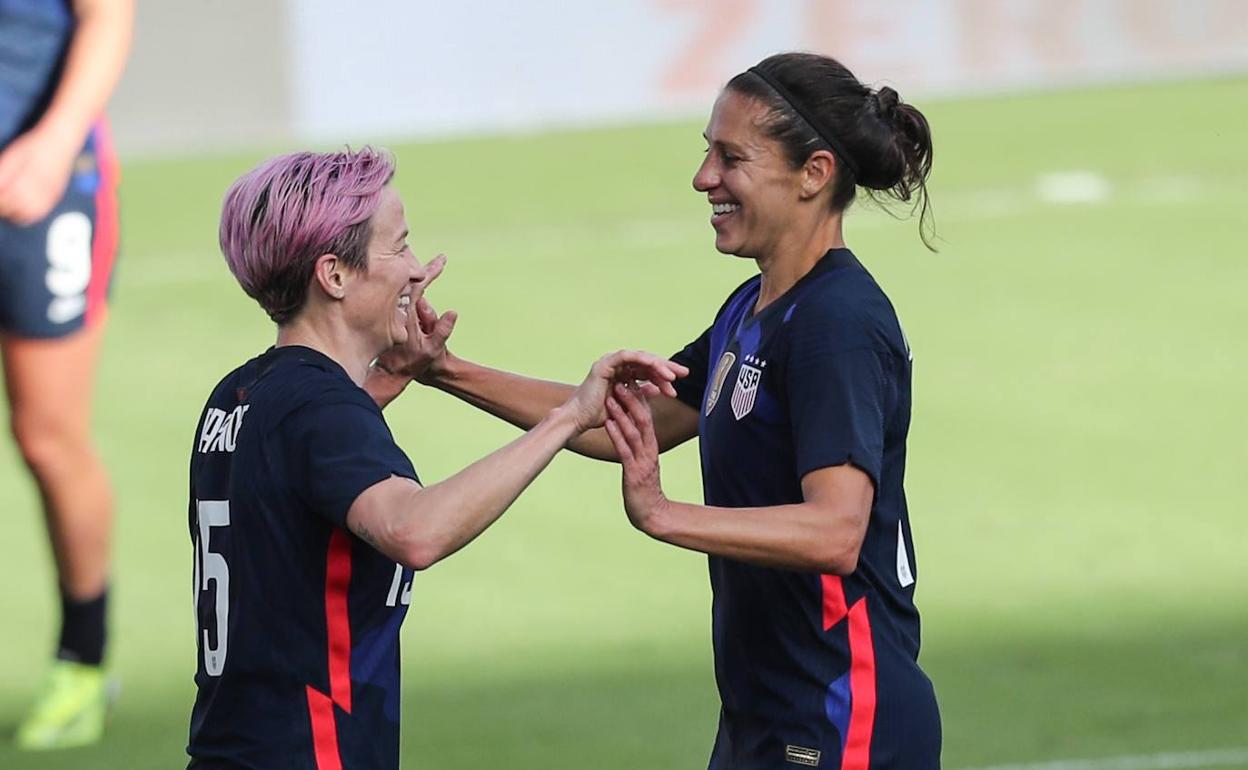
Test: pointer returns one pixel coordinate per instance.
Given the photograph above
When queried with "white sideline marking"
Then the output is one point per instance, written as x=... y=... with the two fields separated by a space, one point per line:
x=1072 y=187
x=1174 y=188
x=1187 y=760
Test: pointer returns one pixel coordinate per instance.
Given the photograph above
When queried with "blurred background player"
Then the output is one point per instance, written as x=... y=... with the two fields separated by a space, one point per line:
x=59 y=63
x=800 y=395
x=307 y=518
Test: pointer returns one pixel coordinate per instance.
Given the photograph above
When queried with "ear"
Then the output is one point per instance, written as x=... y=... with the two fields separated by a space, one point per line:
x=330 y=275
x=817 y=173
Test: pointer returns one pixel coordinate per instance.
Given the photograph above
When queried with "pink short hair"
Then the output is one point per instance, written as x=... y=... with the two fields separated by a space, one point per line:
x=285 y=213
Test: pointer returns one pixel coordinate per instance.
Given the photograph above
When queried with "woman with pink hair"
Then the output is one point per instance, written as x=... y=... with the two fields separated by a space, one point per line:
x=307 y=519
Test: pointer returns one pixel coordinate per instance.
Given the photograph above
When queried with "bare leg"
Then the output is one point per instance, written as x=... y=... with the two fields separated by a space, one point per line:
x=49 y=384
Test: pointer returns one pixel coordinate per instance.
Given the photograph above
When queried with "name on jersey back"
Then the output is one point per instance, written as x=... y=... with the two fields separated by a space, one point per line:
x=220 y=431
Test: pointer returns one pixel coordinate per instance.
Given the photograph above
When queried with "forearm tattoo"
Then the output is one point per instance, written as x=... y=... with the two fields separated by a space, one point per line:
x=364 y=534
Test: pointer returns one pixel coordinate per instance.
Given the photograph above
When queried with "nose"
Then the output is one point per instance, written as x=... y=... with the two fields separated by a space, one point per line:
x=707 y=176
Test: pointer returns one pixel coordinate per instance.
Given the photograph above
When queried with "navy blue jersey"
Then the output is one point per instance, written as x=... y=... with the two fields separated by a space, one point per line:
x=34 y=37
x=55 y=274
x=813 y=670
x=298 y=620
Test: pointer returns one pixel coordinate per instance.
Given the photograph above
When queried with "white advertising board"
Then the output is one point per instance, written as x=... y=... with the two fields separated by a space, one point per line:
x=397 y=67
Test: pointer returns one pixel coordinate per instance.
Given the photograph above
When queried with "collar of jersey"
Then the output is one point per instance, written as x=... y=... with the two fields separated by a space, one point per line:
x=832 y=260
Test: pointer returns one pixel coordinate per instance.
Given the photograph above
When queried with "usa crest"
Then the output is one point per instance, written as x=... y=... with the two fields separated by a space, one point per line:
x=717 y=382
x=746 y=391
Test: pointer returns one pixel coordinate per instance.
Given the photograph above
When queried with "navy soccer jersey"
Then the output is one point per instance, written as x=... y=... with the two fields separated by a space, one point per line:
x=34 y=36
x=298 y=620
x=813 y=670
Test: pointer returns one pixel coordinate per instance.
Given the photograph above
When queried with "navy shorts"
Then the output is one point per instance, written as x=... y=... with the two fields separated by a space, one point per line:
x=55 y=275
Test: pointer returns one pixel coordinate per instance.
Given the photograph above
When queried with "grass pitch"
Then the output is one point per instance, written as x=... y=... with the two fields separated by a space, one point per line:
x=1076 y=473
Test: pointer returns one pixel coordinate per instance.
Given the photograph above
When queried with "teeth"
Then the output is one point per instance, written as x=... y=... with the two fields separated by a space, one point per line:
x=724 y=208
x=404 y=301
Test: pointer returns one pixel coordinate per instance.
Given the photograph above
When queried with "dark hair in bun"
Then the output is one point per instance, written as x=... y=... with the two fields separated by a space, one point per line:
x=880 y=142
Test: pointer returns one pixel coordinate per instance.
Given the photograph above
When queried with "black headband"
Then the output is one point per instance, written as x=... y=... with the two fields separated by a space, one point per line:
x=819 y=128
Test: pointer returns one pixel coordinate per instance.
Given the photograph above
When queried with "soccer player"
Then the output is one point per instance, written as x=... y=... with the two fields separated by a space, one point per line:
x=307 y=519
x=799 y=392
x=59 y=63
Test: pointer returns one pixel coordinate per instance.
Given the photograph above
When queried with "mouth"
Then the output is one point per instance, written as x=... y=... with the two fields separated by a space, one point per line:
x=404 y=303
x=722 y=211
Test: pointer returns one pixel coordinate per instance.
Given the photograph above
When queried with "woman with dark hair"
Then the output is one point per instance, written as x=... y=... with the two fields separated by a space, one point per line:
x=800 y=394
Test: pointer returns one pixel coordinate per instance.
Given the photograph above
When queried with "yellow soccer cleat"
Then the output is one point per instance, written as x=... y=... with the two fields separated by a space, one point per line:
x=70 y=710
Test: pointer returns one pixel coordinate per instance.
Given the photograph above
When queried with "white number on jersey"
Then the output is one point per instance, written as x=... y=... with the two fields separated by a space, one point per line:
x=211 y=566
x=905 y=575
x=394 y=597
x=69 y=265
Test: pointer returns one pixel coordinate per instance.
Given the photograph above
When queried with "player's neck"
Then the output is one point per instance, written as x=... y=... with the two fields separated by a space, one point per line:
x=330 y=340
x=796 y=257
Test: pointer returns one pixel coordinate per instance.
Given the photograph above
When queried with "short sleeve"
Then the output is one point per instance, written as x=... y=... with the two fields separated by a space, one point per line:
x=837 y=400
x=336 y=451
x=689 y=389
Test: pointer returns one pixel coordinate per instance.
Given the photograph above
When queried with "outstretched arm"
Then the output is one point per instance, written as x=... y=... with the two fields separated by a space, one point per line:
x=418 y=526
x=521 y=401
x=824 y=533
x=525 y=401
x=35 y=167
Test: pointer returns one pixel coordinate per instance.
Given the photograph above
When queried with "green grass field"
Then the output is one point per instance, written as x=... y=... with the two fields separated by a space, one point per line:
x=1076 y=480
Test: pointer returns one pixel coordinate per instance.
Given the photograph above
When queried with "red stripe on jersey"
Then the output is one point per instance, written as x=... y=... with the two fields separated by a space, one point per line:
x=338 y=621
x=857 y=755
x=833 y=600
x=104 y=243
x=324 y=730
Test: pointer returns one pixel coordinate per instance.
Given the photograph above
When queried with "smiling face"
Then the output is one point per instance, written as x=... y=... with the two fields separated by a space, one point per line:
x=379 y=298
x=753 y=190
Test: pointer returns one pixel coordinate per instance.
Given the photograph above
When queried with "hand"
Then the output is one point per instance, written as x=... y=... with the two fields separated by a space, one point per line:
x=649 y=373
x=34 y=172
x=631 y=428
x=424 y=353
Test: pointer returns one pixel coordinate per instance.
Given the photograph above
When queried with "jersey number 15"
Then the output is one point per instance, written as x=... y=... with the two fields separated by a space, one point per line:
x=212 y=567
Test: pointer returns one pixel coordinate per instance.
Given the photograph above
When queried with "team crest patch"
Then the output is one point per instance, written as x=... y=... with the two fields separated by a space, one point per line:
x=800 y=755
x=717 y=382
x=744 y=393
